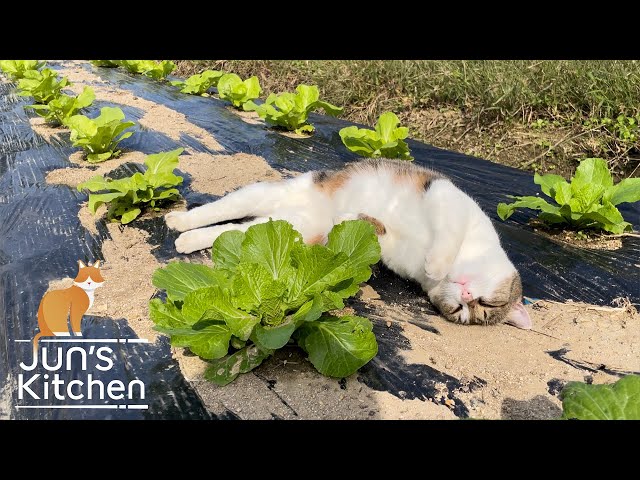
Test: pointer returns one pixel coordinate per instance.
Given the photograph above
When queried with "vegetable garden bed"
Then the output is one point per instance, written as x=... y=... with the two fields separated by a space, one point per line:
x=425 y=367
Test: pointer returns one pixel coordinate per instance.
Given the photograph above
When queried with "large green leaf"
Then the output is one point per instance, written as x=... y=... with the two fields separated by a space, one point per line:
x=592 y=171
x=338 y=346
x=227 y=249
x=548 y=182
x=17 y=68
x=617 y=401
x=209 y=340
x=214 y=303
x=269 y=244
x=535 y=203
x=225 y=370
x=358 y=240
x=180 y=278
x=274 y=337
x=627 y=191
x=163 y=162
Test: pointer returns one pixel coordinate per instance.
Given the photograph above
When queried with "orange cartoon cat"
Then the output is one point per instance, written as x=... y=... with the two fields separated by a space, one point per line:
x=57 y=306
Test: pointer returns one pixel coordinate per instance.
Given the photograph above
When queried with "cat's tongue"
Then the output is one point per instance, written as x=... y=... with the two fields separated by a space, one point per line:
x=519 y=317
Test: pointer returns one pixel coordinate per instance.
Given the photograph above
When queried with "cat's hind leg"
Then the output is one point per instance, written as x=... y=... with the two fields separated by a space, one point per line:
x=253 y=200
x=202 y=238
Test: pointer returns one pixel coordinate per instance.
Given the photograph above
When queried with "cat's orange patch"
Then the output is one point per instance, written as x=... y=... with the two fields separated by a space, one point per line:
x=315 y=240
x=419 y=179
x=380 y=229
x=330 y=182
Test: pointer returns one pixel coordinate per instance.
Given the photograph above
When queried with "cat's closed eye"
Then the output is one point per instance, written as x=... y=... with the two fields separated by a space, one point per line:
x=486 y=304
x=456 y=310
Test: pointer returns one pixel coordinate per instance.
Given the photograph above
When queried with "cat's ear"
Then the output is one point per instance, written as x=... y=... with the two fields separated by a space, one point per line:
x=519 y=317
x=81 y=264
x=96 y=264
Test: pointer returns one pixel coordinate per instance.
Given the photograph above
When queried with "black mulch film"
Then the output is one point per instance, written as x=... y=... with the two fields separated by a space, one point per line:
x=41 y=239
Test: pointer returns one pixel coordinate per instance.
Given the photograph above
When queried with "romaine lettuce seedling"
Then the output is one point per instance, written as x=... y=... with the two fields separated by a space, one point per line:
x=200 y=83
x=588 y=202
x=232 y=88
x=267 y=289
x=386 y=141
x=127 y=197
x=99 y=137
x=63 y=107
x=107 y=63
x=43 y=85
x=157 y=70
x=16 y=68
x=290 y=110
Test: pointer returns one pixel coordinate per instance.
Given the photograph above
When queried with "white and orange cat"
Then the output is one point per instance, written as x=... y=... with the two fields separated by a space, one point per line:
x=429 y=231
x=69 y=304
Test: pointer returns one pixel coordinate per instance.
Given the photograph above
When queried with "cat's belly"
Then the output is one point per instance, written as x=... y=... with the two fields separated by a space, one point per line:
x=403 y=255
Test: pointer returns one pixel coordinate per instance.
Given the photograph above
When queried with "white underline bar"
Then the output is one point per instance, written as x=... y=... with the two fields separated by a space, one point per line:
x=111 y=407
x=89 y=340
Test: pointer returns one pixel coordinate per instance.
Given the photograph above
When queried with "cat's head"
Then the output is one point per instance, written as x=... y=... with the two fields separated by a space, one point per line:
x=484 y=293
x=89 y=277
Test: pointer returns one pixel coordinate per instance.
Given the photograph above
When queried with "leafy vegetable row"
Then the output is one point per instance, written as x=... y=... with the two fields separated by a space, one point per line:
x=290 y=111
x=99 y=138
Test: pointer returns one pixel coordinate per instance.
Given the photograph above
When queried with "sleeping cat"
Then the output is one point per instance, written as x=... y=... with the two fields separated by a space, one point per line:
x=429 y=231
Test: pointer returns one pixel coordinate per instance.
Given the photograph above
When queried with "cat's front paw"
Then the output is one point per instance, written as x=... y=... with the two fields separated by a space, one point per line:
x=192 y=241
x=437 y=269
x=177 y=221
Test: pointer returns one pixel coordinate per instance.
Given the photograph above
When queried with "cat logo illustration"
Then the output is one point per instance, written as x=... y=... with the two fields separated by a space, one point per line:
x=58 y=307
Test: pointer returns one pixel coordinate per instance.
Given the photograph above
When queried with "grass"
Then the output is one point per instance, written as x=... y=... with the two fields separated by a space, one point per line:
x=537 y=115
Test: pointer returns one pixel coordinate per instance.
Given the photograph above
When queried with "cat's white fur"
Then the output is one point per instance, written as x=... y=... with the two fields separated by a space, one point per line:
x=436 y=236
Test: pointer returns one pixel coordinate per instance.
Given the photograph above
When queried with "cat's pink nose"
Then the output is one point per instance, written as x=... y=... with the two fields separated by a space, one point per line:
x=466 y=296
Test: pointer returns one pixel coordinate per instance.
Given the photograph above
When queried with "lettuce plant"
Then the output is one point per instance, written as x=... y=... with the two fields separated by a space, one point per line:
x=200 y=83
x=63 y=107
x=587 y=202
x=99 y=137
x=17 y=68
x=267 y=289
x=290 y=110
x=386 y=141
x=232 y=88
x=127 y=197
x=150 y=68
x=107 y=63
x=617 y=401
x=43 y=85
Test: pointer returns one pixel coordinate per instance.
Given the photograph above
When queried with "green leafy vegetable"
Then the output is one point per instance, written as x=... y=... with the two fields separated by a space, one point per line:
x=200 y=83
x=107 y=63
x=63 y=107
x=290 y=110
x=387 y=140
x=617 y=401
x=127 y=197
x=268 y=288
x=17 y=68
x=43 y=85
x=157 y=70
x=587 y=202
x=99 y=137
x=232 y=88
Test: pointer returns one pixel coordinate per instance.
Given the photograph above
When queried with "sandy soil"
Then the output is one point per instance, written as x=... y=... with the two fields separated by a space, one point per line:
x=504 y=372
